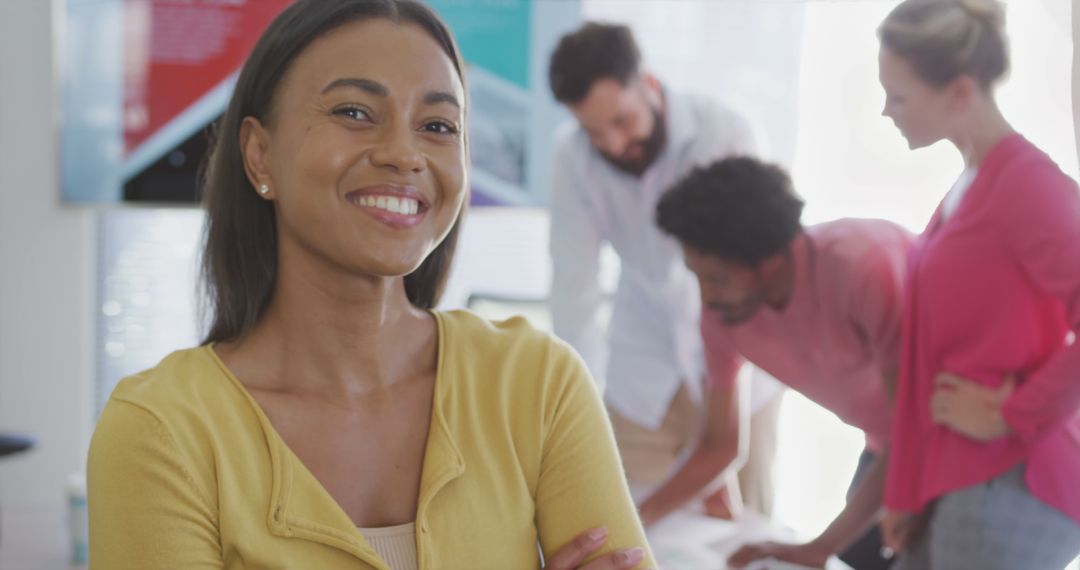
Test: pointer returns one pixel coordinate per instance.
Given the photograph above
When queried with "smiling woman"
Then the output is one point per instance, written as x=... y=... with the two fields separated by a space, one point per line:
x=332 y=419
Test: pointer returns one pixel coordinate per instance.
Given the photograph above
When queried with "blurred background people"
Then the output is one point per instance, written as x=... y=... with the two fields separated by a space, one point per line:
x=632 y=140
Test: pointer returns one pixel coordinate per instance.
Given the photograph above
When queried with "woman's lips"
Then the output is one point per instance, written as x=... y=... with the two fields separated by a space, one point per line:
x=397 y=207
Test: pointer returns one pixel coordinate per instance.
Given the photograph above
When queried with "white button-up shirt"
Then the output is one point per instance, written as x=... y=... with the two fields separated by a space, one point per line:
x=653 y=342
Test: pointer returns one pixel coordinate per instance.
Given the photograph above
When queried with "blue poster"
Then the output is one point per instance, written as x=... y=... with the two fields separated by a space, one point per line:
x=506 y=44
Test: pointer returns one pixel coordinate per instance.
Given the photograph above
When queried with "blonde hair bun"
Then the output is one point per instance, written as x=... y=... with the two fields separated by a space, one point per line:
x=944 y=39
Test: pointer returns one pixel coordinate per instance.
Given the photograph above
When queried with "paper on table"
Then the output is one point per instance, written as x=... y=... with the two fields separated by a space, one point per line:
x=774 y=564
x=689 y=539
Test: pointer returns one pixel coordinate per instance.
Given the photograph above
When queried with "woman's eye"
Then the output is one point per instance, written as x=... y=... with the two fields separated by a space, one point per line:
x=354 y=113
x=440 y=128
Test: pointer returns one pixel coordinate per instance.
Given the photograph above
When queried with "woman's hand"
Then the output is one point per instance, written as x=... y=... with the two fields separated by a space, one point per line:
x=810 y=554
x=572 y=555
x=969 y=408
x=899 y=530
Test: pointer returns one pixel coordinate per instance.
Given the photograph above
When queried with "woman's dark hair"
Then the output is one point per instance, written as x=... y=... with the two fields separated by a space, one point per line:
x=239 y=261
x=739 y=209
x=944 y=39
x=594 y=52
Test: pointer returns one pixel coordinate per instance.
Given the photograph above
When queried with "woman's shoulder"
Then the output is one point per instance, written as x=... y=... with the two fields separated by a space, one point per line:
x=165 y=426
x=516 y=330
x=187 y=403
x=509 y=369
x=1019 y=162
x=514 y=342
x=185 y=380
x=1028 y=185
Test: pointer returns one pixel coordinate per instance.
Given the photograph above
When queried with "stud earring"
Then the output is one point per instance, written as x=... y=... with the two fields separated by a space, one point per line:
x=264 y=189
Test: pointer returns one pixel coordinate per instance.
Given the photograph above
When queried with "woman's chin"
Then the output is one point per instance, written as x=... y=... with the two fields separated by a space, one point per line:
x=916 y=142
x=381 y=267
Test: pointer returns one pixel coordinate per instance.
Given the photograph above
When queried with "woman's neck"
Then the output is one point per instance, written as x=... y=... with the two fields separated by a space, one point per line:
x=983 y=131
x=343 y=336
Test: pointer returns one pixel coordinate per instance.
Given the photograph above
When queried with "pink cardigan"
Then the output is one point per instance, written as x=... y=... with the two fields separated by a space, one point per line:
x=993 y=291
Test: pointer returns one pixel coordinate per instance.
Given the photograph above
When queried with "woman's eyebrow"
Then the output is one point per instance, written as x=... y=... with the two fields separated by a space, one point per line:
x=378 y=89
x=436 y=97
x=371 y=86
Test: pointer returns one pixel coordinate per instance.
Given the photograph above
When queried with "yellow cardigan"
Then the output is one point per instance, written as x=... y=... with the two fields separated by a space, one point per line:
x=185 y=470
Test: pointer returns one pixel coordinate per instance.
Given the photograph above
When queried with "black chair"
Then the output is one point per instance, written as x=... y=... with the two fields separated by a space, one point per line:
x=11 y=443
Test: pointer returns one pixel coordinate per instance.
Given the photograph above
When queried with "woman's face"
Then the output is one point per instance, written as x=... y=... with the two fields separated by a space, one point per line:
x=919 y=110
x=364 y=150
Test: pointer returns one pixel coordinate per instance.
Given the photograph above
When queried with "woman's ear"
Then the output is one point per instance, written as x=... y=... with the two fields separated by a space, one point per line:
x=962 y=92
x=255 y=148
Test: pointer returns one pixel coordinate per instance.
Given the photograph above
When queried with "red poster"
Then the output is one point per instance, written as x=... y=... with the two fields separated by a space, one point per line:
x=176 y=51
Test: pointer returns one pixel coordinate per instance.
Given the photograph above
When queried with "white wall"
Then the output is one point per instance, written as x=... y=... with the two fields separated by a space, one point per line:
x=744 y=53
x=46 y=269
x=1076 y=73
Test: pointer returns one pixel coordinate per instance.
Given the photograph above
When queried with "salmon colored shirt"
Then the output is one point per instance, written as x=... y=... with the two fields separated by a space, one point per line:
x=840 y=331
x=994 y=291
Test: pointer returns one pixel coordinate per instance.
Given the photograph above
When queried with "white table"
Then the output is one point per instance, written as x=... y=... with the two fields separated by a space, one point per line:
x=689 y=540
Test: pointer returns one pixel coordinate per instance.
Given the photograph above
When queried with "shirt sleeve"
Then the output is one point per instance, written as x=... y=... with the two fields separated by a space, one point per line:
x=722 y=361
x=727 y=133
x=1043 y=235
x=745 y=140
x=575 y=243
x=581 y=483
x=145 y=509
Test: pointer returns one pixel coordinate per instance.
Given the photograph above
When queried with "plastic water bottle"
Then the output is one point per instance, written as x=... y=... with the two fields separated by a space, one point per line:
x=78 y=518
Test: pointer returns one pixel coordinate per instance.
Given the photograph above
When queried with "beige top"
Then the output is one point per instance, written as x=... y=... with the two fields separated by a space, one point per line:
x=395 y=544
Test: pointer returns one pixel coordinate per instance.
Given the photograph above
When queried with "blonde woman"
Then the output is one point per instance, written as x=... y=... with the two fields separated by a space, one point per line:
x=985 y=465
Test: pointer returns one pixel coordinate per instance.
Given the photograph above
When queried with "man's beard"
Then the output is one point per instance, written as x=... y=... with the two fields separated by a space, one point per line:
x=651 y=147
